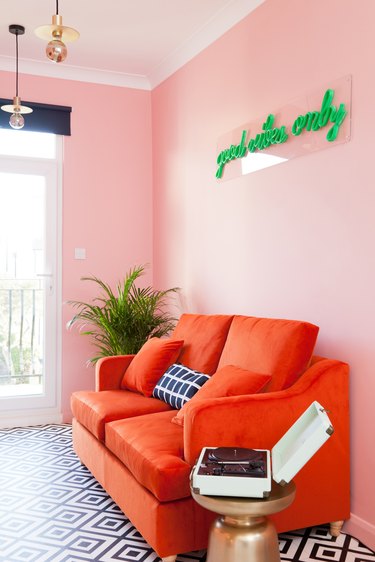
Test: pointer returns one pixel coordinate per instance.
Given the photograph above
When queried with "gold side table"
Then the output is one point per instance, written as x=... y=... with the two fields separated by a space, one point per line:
x=243 y=532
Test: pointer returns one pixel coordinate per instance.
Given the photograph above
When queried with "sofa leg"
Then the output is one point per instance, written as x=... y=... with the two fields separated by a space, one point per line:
x=170 y=558
x=335 y=528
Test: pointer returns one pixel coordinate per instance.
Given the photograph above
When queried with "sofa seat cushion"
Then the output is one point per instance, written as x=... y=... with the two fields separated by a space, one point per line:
x=94 y=409
x=151 y=447
x=204 y=337
x=281 y=348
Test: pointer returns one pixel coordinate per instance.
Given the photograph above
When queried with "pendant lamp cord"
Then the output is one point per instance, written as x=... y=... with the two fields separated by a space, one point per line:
x=57 y=7
x=17 y=64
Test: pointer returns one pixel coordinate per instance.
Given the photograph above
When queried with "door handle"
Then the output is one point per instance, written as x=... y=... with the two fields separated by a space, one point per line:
x=47 y=276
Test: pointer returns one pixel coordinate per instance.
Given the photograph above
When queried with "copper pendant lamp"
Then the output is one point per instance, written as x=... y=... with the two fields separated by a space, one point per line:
x=17 y=110
x=57 y=35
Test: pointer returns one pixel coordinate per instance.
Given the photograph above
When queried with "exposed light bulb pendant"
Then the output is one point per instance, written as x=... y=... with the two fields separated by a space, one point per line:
x=17 y=110
x=57 y=35
x=17 y=121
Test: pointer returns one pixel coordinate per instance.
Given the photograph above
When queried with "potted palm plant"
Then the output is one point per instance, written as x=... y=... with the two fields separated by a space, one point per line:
x=120 y=322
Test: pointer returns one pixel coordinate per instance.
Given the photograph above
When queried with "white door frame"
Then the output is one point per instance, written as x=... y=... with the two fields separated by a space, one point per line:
x=45 y=408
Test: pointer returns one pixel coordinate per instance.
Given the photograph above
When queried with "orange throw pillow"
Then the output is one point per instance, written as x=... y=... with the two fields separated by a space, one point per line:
x=228 y=381
x=150 y=363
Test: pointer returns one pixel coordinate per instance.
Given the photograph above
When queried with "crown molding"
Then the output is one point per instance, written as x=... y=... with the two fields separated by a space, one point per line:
x=80 y=74
x=220 y=23
x=233 y=12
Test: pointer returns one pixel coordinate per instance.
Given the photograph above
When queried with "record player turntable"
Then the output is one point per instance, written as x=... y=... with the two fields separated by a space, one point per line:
x=243 y=472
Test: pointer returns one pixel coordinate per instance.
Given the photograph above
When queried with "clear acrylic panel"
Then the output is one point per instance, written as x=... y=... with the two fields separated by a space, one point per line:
x=304 y=125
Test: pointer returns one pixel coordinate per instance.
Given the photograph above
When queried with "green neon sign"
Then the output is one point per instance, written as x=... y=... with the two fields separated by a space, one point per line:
x=311 y=121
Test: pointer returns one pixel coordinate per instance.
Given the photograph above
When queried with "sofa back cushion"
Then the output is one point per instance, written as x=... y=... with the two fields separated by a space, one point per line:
x=204 y=337
x=282 y=348
x=151 y=361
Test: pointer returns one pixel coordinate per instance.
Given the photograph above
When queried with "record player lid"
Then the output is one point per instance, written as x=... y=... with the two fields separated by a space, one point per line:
x=300 y=443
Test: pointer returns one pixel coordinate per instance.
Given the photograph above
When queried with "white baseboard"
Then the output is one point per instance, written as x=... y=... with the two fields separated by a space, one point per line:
x=29 y=418
x=361 y=530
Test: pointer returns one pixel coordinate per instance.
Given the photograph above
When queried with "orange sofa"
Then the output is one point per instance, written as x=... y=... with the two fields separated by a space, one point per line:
x=143 y=460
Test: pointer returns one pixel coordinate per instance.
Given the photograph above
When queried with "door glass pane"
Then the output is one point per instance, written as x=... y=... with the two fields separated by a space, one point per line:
x=22 y=257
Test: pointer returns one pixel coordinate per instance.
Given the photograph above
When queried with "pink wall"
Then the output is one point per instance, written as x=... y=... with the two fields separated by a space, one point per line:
x=107 y=197
x=295 y=240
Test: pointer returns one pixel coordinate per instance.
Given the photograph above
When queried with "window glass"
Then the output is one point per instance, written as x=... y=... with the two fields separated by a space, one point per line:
x=27 y=143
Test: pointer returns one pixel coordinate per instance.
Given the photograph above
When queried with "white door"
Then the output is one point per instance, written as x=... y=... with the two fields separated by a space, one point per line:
x=29 y=283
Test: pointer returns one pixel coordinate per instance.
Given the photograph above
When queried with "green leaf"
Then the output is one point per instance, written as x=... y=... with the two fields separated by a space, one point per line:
x=119 y=322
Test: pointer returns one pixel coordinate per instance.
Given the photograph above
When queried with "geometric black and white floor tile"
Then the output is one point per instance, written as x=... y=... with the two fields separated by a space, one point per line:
x=53 y=510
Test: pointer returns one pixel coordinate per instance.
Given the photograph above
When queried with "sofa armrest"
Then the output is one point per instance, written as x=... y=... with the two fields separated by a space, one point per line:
x=259 y=420
x=110 y=370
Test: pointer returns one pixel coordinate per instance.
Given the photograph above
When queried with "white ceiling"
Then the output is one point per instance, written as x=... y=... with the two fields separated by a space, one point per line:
x=133 y=44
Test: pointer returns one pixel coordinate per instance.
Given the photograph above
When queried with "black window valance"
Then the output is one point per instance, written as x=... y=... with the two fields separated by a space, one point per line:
x=44 y=119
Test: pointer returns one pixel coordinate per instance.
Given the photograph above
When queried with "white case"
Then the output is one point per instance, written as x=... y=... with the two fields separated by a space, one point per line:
x=289 y=455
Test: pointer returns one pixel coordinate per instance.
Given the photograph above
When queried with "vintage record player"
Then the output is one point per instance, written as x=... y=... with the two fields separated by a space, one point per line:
x=235 y=471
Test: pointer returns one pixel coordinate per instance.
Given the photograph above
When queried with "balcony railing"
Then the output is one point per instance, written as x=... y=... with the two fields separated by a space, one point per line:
x=21 y=332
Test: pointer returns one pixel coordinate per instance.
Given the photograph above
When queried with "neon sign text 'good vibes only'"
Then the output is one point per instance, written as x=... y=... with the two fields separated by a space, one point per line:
x=271 y=135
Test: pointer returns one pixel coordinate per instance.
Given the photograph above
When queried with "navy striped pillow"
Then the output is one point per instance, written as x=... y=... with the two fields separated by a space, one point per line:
x=178 y=385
